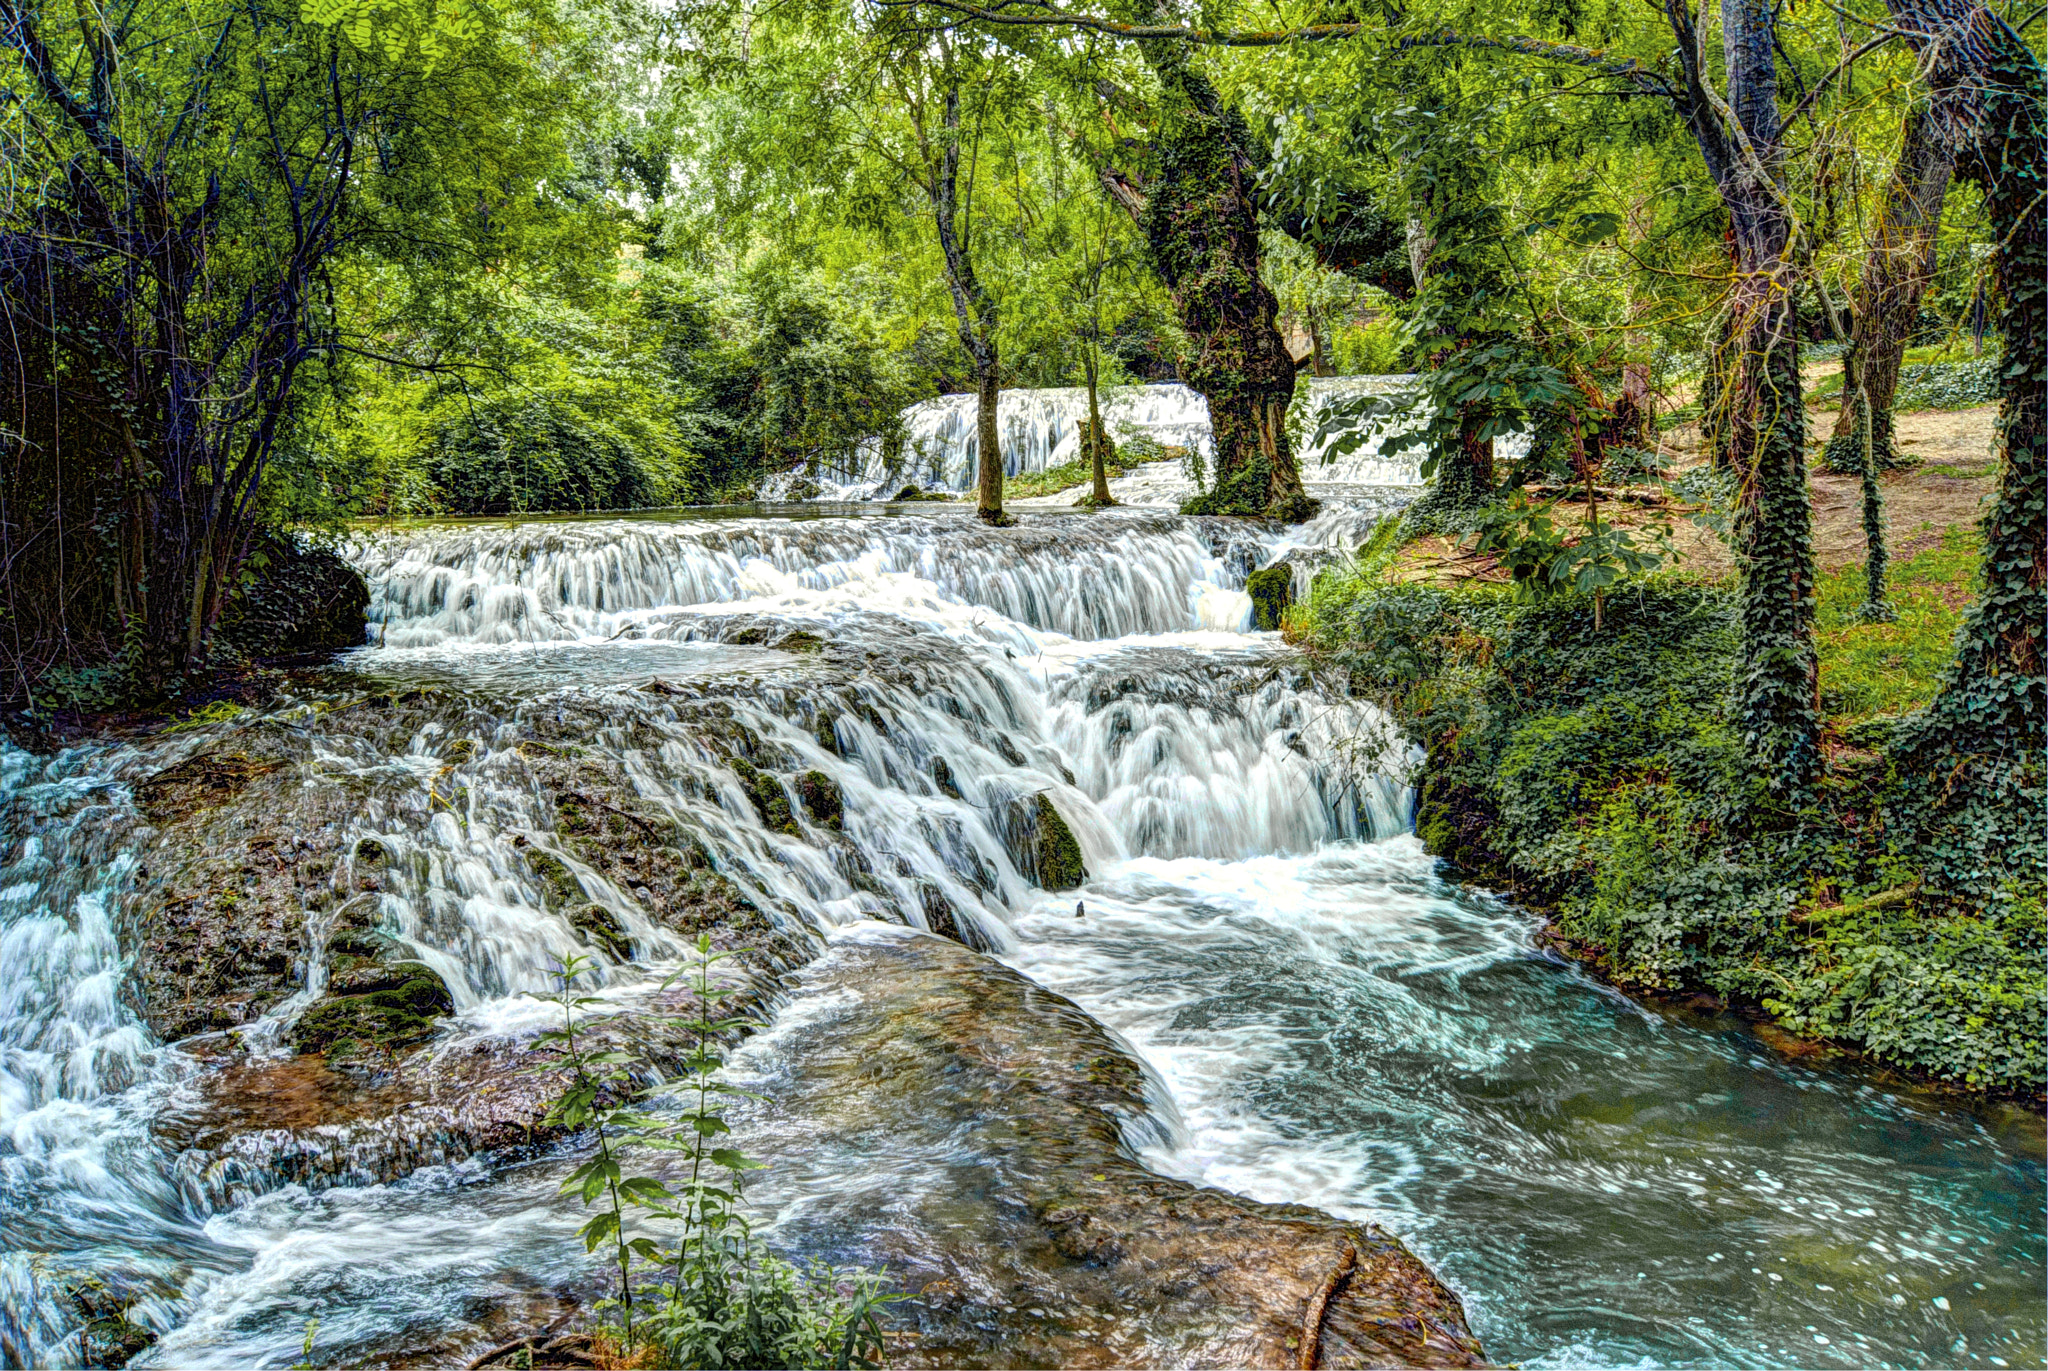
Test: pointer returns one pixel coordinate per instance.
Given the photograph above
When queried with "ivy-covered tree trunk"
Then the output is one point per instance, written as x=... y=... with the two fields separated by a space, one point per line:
x=1758 y=407
x=1976 y=751
x=1896 y=271
x=1200 y=220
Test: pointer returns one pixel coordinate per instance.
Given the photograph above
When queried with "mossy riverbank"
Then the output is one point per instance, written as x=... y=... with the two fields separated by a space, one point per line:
x=1591 y=769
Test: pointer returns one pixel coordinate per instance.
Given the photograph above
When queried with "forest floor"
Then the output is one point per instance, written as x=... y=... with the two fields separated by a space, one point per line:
x=1945 y=489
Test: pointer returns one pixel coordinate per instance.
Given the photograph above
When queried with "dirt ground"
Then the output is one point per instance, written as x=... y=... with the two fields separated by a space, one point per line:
x=1954 y=473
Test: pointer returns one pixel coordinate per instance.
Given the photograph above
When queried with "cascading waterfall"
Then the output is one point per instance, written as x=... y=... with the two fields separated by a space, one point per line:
x=1040 y=429
x=1256 y=925
x=990 y=669
x=599 y=581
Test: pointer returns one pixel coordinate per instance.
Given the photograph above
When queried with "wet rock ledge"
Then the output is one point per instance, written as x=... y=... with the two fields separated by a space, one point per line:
x=983 y=1123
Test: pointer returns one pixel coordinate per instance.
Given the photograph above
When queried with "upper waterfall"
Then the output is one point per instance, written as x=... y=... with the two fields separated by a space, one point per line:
x=1040 y=429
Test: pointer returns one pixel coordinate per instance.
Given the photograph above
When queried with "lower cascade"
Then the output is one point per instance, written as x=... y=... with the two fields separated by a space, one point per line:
x=1104 y=998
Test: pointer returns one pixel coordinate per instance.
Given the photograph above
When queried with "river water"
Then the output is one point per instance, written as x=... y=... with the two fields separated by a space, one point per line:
x=1324 y=1019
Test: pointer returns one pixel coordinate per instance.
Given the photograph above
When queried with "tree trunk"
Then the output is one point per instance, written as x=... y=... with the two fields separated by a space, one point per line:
x=988 y=442
x=1200 y=219
x=1757 y=407
x=1097 y=438
x=975 y=312
x=1896 y=271
x=1975 y=753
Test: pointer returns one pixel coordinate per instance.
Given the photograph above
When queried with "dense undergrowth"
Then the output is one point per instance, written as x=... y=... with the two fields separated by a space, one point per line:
x=1596 y=773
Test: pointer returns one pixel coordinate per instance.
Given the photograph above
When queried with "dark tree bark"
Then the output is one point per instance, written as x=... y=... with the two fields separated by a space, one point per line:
x=1199 y=214
x=1976 y=750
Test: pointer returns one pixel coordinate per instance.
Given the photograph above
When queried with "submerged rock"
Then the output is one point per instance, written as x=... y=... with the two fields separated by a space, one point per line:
x=1055 y=854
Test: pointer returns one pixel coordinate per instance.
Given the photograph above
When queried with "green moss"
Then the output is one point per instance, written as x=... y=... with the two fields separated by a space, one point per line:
x=389 y=1009
x=765 y=793
x=604 y=931
x=1059 y=856
x=821 y=797
x=1272 y=591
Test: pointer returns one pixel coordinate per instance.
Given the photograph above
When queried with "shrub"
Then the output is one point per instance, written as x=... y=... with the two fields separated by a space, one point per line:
x=1593 y=768
x=564 y=449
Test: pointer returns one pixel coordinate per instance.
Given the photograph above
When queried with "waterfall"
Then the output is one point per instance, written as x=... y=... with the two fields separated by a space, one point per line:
x=488 y=585
x=944 y=677
x=826 y=732
x=1042 y=428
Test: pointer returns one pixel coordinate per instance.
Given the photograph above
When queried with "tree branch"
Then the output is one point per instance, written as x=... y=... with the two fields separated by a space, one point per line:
x=1041 y=14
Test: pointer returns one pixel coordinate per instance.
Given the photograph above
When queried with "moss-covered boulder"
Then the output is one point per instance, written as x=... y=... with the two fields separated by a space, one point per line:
x=1272 y=591
x=374 y=1009
x=602 y=929
x=765 y=793
x=822 y=799
x=1059 y=856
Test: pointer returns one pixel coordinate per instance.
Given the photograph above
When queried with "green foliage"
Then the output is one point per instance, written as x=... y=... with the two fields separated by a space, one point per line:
x=558 y=450
x=1065 y=476
x=1543 y=560
x=1377 y=348
x=695 y=1286
x=1596 y=770
x=1948 y=385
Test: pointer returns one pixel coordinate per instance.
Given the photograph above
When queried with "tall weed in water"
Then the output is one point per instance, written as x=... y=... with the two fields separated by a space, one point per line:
x=696 y=1288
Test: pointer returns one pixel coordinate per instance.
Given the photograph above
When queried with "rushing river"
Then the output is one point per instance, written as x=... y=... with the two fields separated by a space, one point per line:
x=1323 y=1018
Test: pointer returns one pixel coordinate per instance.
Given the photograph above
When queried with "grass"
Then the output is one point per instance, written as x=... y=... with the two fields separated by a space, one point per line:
x=1053 y=480
x=1872 y=669
x=1828 y=390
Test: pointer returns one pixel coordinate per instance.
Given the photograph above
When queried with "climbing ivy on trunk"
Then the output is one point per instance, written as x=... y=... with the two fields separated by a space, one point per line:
x=1200 y=218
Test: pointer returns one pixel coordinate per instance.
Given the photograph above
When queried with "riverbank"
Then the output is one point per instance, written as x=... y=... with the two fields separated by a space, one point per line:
x=1582 y=760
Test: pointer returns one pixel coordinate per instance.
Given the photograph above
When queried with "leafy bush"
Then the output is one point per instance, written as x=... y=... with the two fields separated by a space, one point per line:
x=1948 y=385
x=556 y=450
x=1378 y=348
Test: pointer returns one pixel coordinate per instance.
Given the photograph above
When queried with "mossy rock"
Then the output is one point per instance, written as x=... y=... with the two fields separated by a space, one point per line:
x=799 y=641
x=766 y=795
x=822 y=798
x=560 y=883
x=1059 y=856
x=1272 y=591
x=942 y=777
x=826 y=729
x=387 y=1009
x=601 y=927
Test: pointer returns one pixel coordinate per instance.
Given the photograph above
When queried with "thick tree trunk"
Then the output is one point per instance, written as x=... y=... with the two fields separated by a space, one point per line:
x=1899 y=264
x=1200 y=218
x=1977 y=748
x=988 y=499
